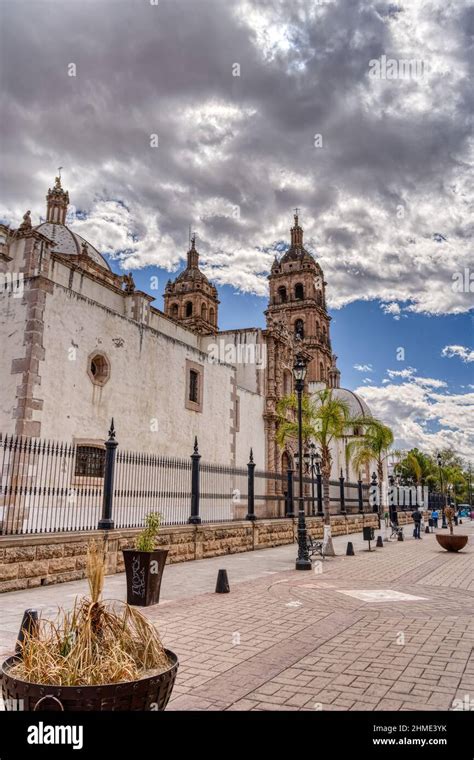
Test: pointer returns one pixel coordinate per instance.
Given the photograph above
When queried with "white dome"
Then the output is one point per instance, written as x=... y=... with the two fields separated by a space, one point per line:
x=67 y=241
x=357 y=406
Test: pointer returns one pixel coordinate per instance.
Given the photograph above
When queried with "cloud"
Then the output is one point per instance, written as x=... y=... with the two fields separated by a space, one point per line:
x=392 y=308
x=407 y=372
x=465 y=354
x=363 y=367
x=421 y=416
x=385 y=200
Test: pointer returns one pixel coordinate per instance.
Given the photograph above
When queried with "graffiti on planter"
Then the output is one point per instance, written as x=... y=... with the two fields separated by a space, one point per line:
x=138 y=577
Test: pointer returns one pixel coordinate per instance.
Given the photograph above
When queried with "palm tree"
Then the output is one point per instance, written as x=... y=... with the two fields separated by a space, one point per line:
x=373 y=445
x=417 y=466
x=325 y=419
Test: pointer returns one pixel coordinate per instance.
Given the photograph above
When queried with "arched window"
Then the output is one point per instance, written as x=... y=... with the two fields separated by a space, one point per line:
x=287 y=382
x=282 y=294
x=211 y=315
x=189 y=309
x=321 y=372
x=299 y=328
x=324 y=339
x=175 y=311
x=204 y=311
x=299 y=291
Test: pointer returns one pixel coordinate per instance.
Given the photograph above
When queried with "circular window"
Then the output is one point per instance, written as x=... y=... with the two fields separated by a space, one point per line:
x=98 y=369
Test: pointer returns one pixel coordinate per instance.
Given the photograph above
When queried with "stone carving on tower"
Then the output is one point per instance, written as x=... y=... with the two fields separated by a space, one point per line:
x=297 y=322
x=57 y=202
x=191 y=299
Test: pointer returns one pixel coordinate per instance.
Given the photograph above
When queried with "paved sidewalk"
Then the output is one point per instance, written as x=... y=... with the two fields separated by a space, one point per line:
x=329 y=639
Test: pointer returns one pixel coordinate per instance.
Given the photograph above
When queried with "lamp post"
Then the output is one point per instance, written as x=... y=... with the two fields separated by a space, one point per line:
x=303 y=561
x=443 y=505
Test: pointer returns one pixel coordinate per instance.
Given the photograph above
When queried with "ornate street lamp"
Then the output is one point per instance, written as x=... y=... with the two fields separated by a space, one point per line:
x=303 y=561
x=443 y=505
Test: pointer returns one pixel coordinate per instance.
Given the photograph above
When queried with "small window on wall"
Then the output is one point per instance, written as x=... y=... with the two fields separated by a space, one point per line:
x=174 y=311
x=189 y=309
x=299 y=291
x=98 y=369
x=194 y=386
x=90 y=462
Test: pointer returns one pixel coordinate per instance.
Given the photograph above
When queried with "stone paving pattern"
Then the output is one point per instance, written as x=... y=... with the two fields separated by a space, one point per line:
x=288 y=640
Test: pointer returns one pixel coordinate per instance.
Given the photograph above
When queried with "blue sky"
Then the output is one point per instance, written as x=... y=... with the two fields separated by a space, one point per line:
x=362 y=334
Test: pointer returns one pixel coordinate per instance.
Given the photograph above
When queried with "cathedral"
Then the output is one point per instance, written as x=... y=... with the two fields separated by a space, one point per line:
x=81 y=344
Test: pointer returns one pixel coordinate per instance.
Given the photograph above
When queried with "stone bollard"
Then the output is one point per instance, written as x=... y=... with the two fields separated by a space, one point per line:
x=427 y=529
x=379 y=543
x=222 y=585
x=400 y=536
x=350 y=549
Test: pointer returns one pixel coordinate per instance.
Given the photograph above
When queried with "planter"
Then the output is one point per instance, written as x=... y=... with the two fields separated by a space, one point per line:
x=144 y=572
x=150 y=693
x=451 y=543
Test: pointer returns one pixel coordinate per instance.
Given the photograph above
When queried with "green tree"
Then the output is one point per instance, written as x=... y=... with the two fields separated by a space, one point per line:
x=372 y=445
x=417 y=466
x=325 y=419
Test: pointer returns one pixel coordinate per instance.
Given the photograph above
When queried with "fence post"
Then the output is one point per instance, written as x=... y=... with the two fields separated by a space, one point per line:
x=250 y=488
x=319 y=490
x=195 y=456
x=106 y=522
x=290 y=510
x=360 y=495
x=374 y=494
x=341 y=494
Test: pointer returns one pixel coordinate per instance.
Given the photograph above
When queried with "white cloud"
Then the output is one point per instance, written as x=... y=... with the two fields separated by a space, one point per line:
x=421 y=416
x=407 y=372
x=363 y=367
x=385 y=201
x=465 y=354
x=392 y=308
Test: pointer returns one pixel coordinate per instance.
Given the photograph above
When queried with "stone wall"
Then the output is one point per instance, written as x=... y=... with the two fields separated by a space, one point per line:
x=39 y=560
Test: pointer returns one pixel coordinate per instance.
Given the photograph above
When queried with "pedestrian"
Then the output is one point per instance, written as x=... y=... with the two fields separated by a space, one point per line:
x=435 y=517
x=417 y=520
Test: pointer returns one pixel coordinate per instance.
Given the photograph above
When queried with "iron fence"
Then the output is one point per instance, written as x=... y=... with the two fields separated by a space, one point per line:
x=48 y=487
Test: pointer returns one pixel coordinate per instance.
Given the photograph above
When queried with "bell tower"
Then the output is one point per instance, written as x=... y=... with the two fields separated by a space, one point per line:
x=57 y=202
x=191 y=299
x=297 y=300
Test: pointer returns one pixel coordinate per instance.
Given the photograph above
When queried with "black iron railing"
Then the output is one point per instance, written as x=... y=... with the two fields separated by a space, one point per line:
x=48 y=487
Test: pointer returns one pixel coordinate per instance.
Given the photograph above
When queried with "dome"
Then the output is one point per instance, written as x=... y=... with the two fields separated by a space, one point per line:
x=357 y=406
x=67 y=241
x=298 y=254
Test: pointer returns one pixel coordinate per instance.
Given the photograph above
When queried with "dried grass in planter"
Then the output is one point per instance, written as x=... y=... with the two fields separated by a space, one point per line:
x=97 y=642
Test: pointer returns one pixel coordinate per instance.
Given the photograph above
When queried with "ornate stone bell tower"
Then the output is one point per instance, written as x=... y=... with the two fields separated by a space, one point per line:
x=191 y=299
x=297 y=299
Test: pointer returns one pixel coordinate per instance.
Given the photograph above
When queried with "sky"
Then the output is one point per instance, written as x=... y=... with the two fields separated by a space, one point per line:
x=222 y=117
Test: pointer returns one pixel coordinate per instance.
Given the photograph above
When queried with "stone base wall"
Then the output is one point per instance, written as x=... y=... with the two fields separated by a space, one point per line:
x=39 y=560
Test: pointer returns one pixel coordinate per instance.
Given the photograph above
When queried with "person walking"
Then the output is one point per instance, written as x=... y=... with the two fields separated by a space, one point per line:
x=417 y=520
x=435 y=517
